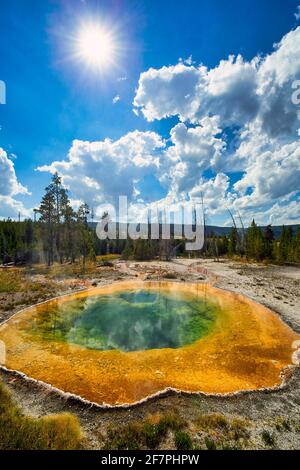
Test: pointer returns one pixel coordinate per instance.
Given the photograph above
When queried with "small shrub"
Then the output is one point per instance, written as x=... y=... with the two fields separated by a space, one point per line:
x=183 y=441
x=210 y=443
x=170 y=276
x=128 y=437
x=153 y=434
x=107 y=264
x=268 y=438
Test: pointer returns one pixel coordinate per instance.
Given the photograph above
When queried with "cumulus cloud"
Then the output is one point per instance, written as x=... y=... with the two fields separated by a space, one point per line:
x=11 y=208
x=98 y=172
x=236 y=90
x=274 y=174
x=9 y=184
x=276 y=74
x=282 y=212
x=10 y=187
x=170 y=91
x=194 y=150
x=214 y=192
x=192 y=93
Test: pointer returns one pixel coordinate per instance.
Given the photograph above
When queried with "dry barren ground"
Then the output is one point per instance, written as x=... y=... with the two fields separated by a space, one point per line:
x=271 y=419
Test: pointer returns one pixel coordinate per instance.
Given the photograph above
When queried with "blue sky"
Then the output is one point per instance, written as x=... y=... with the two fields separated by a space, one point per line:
x=53 y=98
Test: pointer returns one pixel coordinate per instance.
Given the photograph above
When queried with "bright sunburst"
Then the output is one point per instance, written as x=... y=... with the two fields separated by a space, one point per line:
x=96 y=46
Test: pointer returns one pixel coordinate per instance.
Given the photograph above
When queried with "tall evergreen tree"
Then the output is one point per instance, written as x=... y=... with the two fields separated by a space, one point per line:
x=255 y=244
x=47 y=222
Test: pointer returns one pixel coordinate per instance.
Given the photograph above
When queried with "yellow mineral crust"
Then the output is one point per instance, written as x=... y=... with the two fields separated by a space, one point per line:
x=247 y=349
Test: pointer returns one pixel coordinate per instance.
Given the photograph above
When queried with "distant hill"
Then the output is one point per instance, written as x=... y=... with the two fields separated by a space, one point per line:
x=226 y=230
x=221 y=231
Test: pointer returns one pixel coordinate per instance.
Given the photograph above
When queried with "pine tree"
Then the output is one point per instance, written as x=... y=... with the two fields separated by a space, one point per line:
x=29 y=239
x=284 y=247
x=269 y=240
x=47 y=221
x=296 y=247
x=85 y=239
x=127 y=253
x=142 y=250
x=255 y=243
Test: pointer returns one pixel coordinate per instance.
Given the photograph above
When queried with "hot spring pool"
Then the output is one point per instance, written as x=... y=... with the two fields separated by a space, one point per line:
x=123 y=342
x=126 y=320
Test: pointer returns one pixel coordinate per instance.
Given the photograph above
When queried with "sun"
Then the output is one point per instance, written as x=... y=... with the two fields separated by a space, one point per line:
x=96 y=46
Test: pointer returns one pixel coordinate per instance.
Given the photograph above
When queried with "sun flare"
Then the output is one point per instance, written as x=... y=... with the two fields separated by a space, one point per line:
x=96 y=46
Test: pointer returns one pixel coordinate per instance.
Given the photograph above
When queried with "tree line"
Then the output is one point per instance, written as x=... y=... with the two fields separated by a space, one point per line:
x=61 y=234
x=257 y=244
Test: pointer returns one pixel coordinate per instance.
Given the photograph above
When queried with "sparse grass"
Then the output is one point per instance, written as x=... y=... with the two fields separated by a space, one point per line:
x=10 y=280
x=18 y=290
x=223 y=433
x=143 y=435
x=282 y=424
x=213 y=421
x=16 y=280
x=111 y=257
x=20 y=432
x=213 y=431
x=63 y=271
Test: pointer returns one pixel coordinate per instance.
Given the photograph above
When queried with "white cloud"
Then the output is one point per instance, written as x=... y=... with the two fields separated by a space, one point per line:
x=98 y=172
x=10 y=187
x=170 y=91
x=273 y=174
x=11 y=208
x=281 y=213
x=194 y=150
x=278 y=115
x=297 y=13
x=215 y=193
x=192 y=93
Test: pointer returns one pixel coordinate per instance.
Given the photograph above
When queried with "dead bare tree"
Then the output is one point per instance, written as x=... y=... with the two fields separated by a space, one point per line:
x=243 y=238
x=204 y=221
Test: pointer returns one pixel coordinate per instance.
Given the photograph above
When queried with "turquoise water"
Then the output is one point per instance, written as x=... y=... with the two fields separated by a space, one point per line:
x=127 y=321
